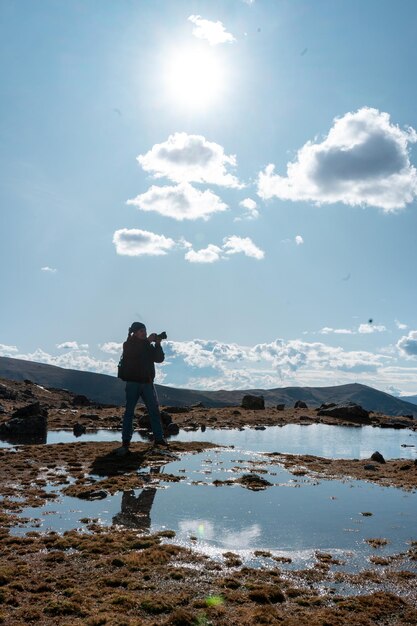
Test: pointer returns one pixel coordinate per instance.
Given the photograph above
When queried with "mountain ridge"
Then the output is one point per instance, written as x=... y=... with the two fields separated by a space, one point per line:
x=107 y=389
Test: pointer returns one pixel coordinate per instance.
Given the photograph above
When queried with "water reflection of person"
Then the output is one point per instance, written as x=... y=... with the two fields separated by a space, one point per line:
x=136 y=510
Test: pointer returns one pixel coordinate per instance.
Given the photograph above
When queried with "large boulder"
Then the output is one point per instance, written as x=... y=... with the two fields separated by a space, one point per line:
x=349 y=411
x=253 y=402
x=27 y=424
x=300 y=404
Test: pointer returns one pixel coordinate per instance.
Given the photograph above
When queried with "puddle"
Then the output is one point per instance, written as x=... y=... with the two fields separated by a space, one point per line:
x=293 y=519
x=335 y=442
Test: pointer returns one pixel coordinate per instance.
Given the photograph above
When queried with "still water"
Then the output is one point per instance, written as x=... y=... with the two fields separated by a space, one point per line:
x=334 y=442
x=293 y=518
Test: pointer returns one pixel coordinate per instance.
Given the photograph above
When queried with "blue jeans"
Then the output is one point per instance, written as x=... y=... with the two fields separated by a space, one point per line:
x=147 y=392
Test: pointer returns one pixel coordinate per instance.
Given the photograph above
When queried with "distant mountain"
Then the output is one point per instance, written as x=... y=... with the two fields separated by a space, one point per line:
x=412 y=399
x=110 y=390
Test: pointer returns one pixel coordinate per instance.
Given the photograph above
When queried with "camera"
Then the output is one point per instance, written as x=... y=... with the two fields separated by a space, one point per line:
x=161 y=336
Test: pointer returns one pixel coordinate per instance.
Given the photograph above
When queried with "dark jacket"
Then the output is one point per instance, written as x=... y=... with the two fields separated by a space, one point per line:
x=139 y=356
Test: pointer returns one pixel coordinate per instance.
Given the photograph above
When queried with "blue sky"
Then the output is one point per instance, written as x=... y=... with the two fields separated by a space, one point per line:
x=240 y=174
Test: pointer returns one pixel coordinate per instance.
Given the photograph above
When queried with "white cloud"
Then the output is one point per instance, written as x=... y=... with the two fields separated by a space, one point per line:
x=181 y=202
x=251 y=212
x=213 y=32
x=7 y=350
x=367 y=329
x=337 y=331
x=400 y=325
x=206 y=255
x=111 y=347
x=364 y=160
x=190 y=158
x=408 y=344
x=135 y=242
x=299 y=240
x=235 y=244
x=50 y=270
x=72 y=345
x=231 y=245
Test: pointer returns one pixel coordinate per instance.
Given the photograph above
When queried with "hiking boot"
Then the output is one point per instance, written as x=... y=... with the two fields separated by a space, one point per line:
x=122 y=451
x=161 y=443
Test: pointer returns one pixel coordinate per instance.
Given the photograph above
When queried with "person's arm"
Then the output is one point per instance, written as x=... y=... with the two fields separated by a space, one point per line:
x=157 y=352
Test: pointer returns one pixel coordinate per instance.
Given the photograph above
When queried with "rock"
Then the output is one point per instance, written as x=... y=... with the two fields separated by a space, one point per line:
x=6 y=393
x=30 y=423
x=260 y=428
x=197 y=405
x=377 y=456
x=30 y=410
x=203 y=428
x=236 y=412
x=369 y=467
x=410 y=417
x=349 y=411
x=253 y=402
x=166 y=418
x=300 y=405
x=80 y=400
x=280 y=407
x=28 y=382
x=93 y=494
x=79 y=429
x=254 y=482
x=172 y=429
x=177 y=409
x=2 y=409
x=326 y=405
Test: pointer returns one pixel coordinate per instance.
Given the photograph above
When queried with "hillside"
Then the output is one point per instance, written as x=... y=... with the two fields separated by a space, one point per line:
x=110 y=390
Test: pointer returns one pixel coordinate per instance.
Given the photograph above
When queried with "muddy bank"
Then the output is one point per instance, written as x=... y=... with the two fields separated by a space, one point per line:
x=395 y=473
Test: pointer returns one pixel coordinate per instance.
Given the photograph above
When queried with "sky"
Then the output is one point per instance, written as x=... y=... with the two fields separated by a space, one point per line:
x=241 y=174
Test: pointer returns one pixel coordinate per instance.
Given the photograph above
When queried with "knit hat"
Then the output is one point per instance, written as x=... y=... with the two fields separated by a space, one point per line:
x=136 y=326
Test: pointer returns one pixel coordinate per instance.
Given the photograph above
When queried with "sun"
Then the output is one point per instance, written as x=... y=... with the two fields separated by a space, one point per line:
x=195 y=78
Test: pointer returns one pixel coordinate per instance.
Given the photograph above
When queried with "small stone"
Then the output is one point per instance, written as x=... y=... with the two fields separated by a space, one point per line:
x=377 y=456
x=300 y=405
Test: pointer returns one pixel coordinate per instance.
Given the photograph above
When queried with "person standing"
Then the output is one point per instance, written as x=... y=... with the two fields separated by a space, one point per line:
x=140 y=353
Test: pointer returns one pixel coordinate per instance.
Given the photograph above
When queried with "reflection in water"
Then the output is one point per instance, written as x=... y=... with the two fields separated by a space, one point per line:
x=136 y=510
x=204 y=529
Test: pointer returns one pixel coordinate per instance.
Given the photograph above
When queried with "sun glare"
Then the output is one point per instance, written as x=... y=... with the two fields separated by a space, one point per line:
x=195 y=78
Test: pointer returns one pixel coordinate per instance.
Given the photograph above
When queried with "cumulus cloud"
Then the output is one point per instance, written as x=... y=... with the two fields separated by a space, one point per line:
x=181 y=202
x=50 y=270
x=367 y=329
x=251 y=210
x=400 y=325
x=7 y=350
x=190 y=158
x=213 y=32
x=231 y=245
x=211 y=254
x=111 y=347
x=408 y=344
x=135 y=242
x=235 y=245
x=364 y=160
x=72 y=345
x=299 y=240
